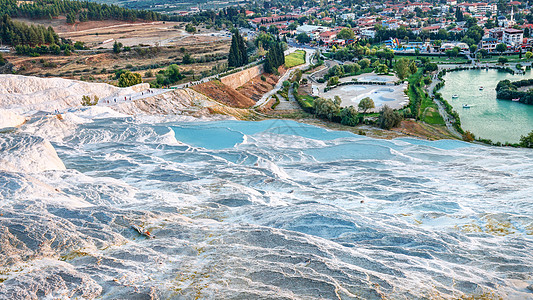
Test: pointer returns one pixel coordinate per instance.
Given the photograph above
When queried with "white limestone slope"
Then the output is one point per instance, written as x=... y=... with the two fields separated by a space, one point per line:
x=27 y=94
x=28 y=154
x=10 y=119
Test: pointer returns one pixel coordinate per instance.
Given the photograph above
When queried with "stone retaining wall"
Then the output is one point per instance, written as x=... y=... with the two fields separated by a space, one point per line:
x=238 y=79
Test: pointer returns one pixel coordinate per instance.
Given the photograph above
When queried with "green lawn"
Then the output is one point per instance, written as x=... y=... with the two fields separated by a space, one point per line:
x=436 y=59
x=428 y=111
x=307 y=101
x=295 y=59
x=512 y=59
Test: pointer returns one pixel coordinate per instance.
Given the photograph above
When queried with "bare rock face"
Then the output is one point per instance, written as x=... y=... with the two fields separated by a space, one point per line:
x=61 y=281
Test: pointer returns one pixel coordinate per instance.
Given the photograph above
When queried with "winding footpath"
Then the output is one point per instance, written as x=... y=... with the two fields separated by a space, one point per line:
x=308 y=57
x=448 y=120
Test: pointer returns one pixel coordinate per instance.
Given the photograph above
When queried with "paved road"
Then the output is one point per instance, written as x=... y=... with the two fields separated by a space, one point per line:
x=279 y=85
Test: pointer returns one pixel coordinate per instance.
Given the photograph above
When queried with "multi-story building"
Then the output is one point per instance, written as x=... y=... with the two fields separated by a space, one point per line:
x=513 y=37
x=478 y=8
x=488 y=44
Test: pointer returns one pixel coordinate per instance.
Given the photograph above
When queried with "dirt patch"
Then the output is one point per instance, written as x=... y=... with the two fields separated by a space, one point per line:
x=425 y=131
x=218 y=91
x=100 y=65
x=256 y=87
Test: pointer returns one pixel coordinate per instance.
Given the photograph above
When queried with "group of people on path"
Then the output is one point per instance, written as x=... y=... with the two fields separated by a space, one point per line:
x=126 y=98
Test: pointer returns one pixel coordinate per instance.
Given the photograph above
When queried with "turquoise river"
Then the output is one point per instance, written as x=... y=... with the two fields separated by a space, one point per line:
x=487 y=117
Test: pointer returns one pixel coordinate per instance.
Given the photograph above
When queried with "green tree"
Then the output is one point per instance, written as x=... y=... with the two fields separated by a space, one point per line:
x=238 y=53
x=2 y=60
x=292 y=26
x=381 y=69
x=117 y=47
x=128 y=79
x=86 y=100
x=349 y=116
x=303 y=38
x=71 y=18
x=79 y=45
x=190 y=28
x=364 y=63
x=365 y=104
x=345 y=34
x=527 y=140
x=326 y=108
x=502 y=60
x=173 y=73
x=187 y=59
x=389 y=118
x=333 y=81
x=402 y=68
x=55 y=49
x=501 y=47
x=528 y=55
x=273 y=29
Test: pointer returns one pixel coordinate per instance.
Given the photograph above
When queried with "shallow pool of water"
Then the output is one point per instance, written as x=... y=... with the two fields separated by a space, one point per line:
x=353 y=88
x=487 y=117
x=376 y=78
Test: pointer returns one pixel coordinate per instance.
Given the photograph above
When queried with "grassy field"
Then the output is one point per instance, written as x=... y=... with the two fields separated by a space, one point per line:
x=428 y=111
x=295 y=59
x=512 y=59
x=436 y=59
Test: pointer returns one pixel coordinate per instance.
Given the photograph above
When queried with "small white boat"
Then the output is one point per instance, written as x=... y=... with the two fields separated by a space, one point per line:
x=516 y=99
x=466 y=106
x=480 y=88
x=455 y=96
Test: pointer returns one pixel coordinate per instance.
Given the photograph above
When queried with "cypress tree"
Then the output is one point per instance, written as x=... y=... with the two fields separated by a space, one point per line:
x=242 y=50
x=233 y=57
x=268 y=63
x=238 y=55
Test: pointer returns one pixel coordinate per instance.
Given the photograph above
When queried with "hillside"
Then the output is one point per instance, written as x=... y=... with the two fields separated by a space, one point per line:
x=224 y=94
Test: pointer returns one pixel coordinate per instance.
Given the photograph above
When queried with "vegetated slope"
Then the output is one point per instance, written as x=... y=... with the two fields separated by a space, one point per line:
x=222 y=93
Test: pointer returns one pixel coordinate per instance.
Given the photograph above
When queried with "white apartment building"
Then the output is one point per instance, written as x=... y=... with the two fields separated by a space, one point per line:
x=513 y=37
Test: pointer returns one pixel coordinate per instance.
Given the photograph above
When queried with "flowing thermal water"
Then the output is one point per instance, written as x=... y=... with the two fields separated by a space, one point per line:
x=251 y=210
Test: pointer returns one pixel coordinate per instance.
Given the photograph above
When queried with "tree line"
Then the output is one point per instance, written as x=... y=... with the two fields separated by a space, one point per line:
x=17 y=33
x=275 y=57
x=48 y=9
x=90 y=11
